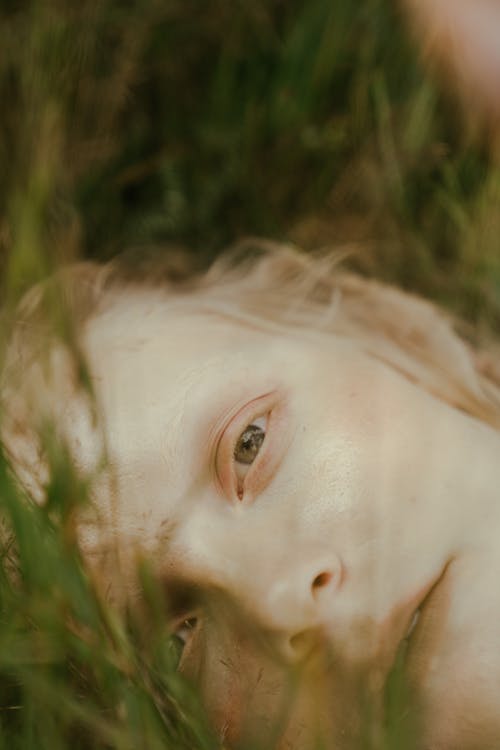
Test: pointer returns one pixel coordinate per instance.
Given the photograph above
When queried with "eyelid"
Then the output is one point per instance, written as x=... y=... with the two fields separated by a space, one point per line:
x=184 y=629
x=271 y=406
x=186 y=632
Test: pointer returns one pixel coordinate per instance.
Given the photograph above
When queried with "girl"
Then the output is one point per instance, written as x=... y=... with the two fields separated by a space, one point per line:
x=309 y=461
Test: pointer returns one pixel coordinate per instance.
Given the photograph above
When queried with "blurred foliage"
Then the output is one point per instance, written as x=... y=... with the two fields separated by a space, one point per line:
x=74 y=672
x=131 y=124
x=164 y=122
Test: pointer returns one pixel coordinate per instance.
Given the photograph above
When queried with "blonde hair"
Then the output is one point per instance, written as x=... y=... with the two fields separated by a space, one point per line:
x=273 y=285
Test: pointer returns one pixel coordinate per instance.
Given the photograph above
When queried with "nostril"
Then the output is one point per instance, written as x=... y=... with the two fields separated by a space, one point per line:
x=328 y=580
x=321 y=580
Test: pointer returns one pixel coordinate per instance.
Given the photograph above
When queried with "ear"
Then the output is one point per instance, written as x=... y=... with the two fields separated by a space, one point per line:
x=463 y=38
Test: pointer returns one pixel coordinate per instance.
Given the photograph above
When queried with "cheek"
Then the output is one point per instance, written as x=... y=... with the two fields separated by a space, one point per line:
x=332 y=494
x=356 y=445
x=324 y=477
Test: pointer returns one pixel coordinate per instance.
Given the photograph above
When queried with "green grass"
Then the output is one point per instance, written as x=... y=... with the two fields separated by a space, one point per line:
x=159 y=123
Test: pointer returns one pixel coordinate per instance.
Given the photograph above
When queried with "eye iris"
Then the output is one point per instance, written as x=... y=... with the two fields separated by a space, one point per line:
x=249 y=444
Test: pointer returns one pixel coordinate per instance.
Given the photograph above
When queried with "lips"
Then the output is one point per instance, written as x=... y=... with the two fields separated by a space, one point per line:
x=413 y=625
x=410 y=621
x=421 y=614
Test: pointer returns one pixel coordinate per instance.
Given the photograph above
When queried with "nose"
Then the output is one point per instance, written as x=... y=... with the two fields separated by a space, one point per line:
x=290 y=594
x=301 y=604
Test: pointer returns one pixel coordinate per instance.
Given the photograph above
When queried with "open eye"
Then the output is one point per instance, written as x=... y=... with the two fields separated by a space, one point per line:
x=250 y=446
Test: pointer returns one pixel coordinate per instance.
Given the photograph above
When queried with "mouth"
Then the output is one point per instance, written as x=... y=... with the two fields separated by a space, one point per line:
x=420 y=637
x=413 y=624
x=427 y=604
x=422 y=621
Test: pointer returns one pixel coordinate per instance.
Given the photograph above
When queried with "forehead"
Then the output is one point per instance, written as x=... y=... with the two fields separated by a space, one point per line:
x=164 y=371
x=163 y=374
x=147 y=323
x=149 y=354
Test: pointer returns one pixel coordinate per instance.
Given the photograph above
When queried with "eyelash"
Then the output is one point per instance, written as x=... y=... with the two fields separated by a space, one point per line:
x=182 y=636
x=184 y=631
x=236 y=480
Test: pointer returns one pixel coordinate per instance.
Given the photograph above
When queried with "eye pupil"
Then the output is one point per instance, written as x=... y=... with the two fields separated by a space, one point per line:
x=249 y=444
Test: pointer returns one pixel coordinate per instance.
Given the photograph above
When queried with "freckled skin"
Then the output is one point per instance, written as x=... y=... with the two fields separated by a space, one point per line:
x=367 y=489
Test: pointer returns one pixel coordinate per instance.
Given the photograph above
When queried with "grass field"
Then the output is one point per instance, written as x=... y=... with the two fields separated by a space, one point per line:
x=167 y=123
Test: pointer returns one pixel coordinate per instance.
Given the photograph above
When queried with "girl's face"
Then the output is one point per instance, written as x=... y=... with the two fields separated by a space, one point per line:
x=303 y=505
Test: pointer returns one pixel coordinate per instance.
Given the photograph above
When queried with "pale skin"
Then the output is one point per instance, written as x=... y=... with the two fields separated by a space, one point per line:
x=464 y=37
x=367 y=501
